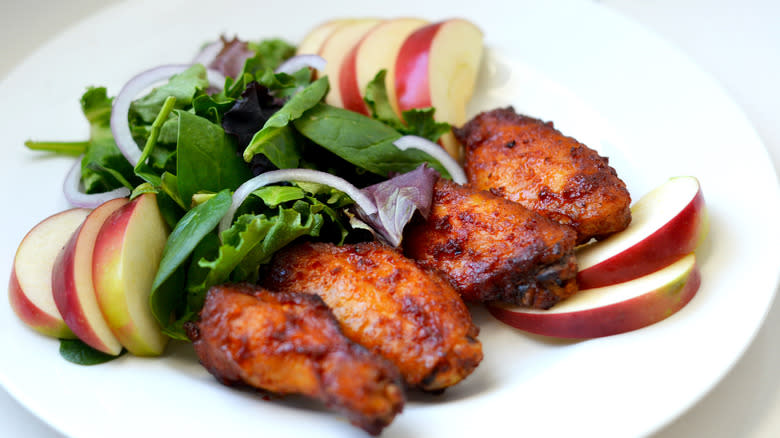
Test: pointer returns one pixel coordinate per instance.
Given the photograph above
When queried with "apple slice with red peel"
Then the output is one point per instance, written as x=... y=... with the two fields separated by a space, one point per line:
x=667 y=223
x=312 y=42
x=128 y=250
x=613 y=309
x=30 y=288
x=71 y=283
x=336 y=47
x=376 y=51
x=437 y=66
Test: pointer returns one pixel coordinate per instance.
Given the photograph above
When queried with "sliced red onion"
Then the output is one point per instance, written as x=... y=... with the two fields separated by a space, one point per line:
x=72 y=189
x=436 y=151
x=209 y=52
x=304 y=175
x=298 y=62
x=140 y=82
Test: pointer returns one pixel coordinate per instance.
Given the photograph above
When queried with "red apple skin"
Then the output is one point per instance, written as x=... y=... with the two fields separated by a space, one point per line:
x=31 y=296
x=635 y=313
x=33 y=316
x=336 y=47
x=678 y=237
x=72 y=273
x=127 y=252
x=348 y=83
x=411 y=69
x=377 y=50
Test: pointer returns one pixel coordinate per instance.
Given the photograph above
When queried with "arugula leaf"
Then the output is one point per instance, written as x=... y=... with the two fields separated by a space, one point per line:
x=362 y=141
x=292 y=110
x=206 y=158
x=76 y=351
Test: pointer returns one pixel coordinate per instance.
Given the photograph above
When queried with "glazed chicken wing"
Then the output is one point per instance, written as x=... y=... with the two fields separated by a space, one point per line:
x=289 y=343
x=492 y=249
x=390 y=305
x=528 y=161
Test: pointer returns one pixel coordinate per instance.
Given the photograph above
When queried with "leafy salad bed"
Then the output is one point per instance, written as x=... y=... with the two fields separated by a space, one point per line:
x=200 y=143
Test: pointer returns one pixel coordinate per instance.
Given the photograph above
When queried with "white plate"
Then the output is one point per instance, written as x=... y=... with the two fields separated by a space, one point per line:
x=598 y=76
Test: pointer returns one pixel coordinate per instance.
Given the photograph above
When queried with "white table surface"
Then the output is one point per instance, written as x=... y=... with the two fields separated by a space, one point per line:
x=738 y=42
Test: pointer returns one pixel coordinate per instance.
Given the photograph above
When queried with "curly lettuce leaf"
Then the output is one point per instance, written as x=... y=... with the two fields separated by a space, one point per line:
x=419 y=122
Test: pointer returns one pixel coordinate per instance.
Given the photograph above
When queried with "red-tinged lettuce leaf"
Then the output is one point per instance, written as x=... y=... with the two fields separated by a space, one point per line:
x=397 y=199
x=231 y=59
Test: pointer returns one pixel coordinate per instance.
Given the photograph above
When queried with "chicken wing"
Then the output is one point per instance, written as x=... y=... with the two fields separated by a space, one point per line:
x=390 y=305
x=492 y=249
x=290 y=343
x=528 y=161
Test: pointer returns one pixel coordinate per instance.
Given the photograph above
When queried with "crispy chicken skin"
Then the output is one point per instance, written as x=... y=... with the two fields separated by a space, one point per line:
x=528 y=161
x=492 y=249
x=289 y=343
x=390 y=305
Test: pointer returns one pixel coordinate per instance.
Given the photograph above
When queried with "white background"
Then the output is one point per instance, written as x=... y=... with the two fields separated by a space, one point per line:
x=738 y=42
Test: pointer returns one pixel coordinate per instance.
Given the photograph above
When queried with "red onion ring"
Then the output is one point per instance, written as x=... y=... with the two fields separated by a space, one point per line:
x=208 y=52
x=72 y=189
x=140 y=82
x=298 y=62
x=305 y=175
x=436 y=151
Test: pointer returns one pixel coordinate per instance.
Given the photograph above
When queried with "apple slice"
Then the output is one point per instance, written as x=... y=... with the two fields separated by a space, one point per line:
x=71 y=283
x=312 y=42
x=376 y=51
x=666 y=224
x=437 y=66
x=336 y=47
x=611 y=309
x=127 y=253
x=30 y=289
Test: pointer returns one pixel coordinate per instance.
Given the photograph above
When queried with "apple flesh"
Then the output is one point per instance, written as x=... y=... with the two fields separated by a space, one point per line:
x=71 y=283
x=667 y=223
x=376 y=51
x=128 y=250
x=611 y=309
x=336 y=47
x=437 y=66
x=30 y=287
x=312 y=42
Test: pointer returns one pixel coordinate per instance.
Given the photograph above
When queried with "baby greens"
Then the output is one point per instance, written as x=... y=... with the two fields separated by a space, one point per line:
x=200 y=144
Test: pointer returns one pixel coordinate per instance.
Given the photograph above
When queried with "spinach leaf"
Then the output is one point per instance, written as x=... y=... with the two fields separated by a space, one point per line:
x=361 y=140
x=189 y=231
x=206 y=158
x=76 y=351
x=292 y=110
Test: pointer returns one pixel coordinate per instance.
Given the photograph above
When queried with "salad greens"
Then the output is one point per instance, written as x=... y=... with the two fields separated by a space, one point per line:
x=200 y=144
